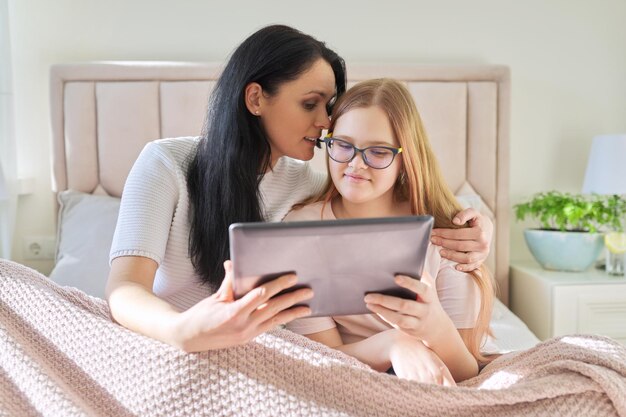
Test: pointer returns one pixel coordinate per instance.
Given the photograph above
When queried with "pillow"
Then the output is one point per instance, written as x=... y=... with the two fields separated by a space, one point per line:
x=86 y=226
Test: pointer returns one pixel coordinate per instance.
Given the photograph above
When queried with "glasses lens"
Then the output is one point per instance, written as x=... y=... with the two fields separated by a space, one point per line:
x=340 y=150
x=378 y=157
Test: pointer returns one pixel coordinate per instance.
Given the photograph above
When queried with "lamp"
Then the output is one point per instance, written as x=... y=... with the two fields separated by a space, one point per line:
x=606 y=168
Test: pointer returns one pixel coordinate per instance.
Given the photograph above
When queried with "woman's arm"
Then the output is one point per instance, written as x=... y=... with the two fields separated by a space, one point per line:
x=468 y=246
x=216 y=322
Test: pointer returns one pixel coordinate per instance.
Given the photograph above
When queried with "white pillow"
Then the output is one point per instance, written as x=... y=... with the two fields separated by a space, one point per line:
x=86 y=226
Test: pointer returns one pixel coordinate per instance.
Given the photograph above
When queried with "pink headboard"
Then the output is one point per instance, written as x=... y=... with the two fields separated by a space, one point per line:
x=103 y=113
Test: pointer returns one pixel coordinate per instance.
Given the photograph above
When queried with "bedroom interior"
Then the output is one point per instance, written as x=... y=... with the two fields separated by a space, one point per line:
x=506 y=118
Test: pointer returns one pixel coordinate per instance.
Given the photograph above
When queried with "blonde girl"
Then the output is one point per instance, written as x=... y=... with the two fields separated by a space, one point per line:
x=381 y=164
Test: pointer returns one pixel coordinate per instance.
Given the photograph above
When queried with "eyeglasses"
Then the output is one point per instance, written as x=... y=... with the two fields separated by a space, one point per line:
x=377 y=157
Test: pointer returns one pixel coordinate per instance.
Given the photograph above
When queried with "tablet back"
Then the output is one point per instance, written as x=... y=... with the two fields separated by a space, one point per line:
x=341 y=260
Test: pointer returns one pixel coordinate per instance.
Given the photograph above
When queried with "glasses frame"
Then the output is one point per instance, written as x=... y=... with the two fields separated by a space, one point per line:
x=329 y=138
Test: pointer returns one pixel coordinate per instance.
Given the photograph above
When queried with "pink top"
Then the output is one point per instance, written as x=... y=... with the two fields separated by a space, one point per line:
x=458 y=293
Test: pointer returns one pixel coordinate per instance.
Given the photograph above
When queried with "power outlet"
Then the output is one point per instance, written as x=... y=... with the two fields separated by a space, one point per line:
x=39 y=247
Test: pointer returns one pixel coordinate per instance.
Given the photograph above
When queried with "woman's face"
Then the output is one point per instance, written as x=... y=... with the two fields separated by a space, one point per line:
x=356 y=182
x=298 y=111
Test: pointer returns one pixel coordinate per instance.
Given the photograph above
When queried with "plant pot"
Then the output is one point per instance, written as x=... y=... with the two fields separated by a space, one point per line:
x=564 y=251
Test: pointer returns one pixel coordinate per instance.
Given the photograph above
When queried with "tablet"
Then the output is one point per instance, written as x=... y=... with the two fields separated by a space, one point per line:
x=341 y=260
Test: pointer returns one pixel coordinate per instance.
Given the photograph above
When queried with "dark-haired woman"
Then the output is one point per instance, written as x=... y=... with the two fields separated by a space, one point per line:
x=170 y=278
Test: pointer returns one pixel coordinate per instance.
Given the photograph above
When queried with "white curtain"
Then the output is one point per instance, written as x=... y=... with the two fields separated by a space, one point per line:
x=8 y=168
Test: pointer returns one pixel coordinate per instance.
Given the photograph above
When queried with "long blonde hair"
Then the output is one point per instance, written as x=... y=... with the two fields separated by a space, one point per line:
x=420 y=182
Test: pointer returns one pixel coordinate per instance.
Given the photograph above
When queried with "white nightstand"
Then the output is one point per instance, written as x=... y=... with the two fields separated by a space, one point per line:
x=555 y=303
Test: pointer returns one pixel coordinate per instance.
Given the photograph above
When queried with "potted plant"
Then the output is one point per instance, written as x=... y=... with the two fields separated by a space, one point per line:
x=571 y=234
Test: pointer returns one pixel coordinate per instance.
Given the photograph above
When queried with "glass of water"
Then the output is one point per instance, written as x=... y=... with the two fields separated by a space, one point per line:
x=615 y=243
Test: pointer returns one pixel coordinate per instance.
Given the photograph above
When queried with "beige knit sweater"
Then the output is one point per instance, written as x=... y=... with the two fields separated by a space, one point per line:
x=62 y=355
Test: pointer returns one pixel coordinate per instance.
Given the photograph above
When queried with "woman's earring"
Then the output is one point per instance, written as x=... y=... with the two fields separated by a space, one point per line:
x=256 y=112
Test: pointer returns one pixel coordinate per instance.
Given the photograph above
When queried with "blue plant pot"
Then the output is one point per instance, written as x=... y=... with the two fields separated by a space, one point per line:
x=564 y=251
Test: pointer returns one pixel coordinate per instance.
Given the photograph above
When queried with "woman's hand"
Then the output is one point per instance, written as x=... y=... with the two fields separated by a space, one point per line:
x=468 y=246
x=423 y=318
x=411 y=359
x=220 y=321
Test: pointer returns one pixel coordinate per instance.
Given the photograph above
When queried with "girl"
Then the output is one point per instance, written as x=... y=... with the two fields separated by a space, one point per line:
x=381 y=164
x=268 y=108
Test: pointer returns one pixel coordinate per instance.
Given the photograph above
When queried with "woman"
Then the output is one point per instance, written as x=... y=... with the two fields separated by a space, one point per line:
x=268 y=108
x=381 y=165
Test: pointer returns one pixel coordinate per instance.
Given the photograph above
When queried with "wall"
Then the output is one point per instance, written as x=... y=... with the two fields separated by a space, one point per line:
x=568 y=60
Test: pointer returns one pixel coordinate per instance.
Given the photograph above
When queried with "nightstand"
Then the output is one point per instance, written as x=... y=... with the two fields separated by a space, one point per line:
x=553 y=303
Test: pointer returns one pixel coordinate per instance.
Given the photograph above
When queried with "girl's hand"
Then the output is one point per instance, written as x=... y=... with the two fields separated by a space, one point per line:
x=220 y=321
x=423 y=318
x=468 y=246
x=411 y=359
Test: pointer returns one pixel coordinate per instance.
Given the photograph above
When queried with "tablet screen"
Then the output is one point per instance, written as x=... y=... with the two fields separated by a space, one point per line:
x=341 y=260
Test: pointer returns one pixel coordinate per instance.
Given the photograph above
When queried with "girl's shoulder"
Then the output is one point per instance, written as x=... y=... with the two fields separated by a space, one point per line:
x=309 y=212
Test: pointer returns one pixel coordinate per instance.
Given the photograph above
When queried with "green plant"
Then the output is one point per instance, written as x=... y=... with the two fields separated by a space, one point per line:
x=574 y=212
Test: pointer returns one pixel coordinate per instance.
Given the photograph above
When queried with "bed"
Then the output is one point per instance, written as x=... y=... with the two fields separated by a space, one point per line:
x=104 y=113
x=74 y=360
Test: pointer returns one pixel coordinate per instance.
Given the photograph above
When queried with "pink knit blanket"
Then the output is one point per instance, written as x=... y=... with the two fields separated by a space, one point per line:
x=61 y=354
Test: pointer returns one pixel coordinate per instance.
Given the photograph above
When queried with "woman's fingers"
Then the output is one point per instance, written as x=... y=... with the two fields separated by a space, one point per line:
x=225 y=291
x=458 y=245
x=276 y=305
x=467 y=261
x=467 y=215
x=468 y=246
x=260 y=295
x=283 y=317
x=466 y=233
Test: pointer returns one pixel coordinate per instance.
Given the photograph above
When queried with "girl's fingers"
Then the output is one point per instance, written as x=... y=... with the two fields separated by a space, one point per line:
x=277 y=305
x=422 y=287
x=415 y=285
x=396 y=304
x=394 y=319
x=448 y=381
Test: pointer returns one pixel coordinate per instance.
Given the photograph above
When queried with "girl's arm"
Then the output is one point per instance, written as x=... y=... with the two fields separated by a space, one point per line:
x=216 y=322
x=426 y=320
x=373 y=351
x=410 y=358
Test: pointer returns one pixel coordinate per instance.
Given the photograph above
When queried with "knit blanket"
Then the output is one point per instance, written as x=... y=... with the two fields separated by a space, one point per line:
x=62 y=355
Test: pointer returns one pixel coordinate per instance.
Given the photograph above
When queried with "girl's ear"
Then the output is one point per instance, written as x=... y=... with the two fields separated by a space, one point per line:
x=252 y=96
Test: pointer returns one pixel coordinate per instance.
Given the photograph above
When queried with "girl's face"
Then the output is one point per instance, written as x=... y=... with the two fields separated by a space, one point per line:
x=356 y=182
x=298 y=111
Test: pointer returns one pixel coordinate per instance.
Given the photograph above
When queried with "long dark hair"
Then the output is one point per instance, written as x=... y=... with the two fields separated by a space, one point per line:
x=223 y=177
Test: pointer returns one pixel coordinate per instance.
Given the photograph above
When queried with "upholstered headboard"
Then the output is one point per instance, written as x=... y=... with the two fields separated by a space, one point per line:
x=104 y=113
